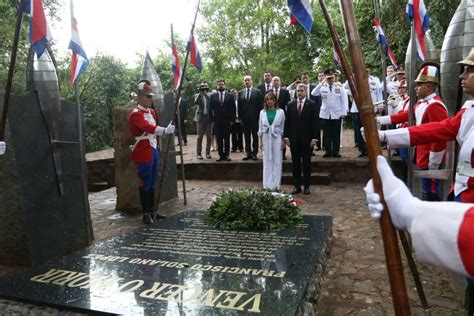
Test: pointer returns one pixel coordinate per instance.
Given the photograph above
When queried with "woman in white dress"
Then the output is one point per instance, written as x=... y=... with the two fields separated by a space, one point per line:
x=270 y=131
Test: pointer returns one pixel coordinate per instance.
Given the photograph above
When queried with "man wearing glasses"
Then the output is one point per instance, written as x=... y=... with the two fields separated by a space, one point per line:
x=145 y=151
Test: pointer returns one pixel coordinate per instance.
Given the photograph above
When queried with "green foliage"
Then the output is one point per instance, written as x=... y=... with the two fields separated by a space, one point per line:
x=104 y=85
x=253 y=209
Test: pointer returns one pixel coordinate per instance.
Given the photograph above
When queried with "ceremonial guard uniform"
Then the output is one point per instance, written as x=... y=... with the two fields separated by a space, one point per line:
x=334 y=106
x=428 y=109
x=145 y=151
x=441 y=232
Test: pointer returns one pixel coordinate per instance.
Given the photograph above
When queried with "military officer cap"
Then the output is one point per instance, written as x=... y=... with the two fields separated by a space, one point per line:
x=469 y=60
x=329 y=73
x=144 y=88
x=429 y=73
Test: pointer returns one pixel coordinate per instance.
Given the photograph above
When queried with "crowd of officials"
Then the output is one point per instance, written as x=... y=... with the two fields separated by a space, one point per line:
x=272 y=117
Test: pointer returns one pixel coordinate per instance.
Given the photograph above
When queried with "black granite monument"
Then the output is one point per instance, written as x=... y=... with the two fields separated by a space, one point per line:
x=180 y=266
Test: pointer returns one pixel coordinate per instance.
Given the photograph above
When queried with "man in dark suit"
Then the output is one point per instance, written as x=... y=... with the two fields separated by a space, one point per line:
x=317 y=100
x=236 y=129
x=250 y=104
x=222 y=105
x=300 y=135
x=267 y=83
x=283 y=98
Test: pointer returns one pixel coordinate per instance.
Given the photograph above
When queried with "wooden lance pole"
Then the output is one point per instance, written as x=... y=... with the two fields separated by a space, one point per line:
x=392 y=253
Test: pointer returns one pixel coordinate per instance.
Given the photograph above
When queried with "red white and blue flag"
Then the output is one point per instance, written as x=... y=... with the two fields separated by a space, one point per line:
x=40 y=35
x=176 y=67
x=382 y=40
x=195 y=57
x=79 y=57
x=417 y=13
x=301 y=10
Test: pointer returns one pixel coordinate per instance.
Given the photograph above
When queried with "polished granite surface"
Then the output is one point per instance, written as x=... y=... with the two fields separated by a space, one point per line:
x=180 y=266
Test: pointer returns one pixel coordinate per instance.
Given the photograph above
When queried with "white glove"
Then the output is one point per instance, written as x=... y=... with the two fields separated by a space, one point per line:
x=170 y=129
x=402 y=205
x=382 y=135
x=3 y=147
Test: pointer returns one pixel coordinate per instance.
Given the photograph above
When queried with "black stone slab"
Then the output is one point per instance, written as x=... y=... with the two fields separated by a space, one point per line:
x=181 y=265
x=51 y=225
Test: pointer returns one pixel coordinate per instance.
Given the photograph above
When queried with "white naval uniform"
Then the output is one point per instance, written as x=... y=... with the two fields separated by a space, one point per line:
x=272 y=136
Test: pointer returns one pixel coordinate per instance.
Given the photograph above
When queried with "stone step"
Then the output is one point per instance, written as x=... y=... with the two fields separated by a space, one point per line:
x=320 y=178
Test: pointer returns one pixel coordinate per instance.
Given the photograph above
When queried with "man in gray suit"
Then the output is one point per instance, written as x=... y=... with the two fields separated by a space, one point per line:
x=203 y=121
x=249 y=105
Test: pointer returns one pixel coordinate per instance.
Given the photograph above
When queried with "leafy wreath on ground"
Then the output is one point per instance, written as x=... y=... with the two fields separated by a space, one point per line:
x=253 y=209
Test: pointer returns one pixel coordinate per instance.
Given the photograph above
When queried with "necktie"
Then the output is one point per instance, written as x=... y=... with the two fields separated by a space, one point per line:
x=276 y=93
x=221 y=97
x=268 y=88
x=248 y=93
x=299 y=107
x=330 y=88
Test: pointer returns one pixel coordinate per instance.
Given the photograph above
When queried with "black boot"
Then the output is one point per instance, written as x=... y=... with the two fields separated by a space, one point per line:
x=147 y=215
x=151 y=201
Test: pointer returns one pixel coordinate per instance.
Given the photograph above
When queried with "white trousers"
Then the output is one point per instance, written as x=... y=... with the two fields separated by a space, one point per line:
x=272 y=161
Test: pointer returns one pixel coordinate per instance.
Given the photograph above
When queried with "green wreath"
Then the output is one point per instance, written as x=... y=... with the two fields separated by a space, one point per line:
x=253 y=209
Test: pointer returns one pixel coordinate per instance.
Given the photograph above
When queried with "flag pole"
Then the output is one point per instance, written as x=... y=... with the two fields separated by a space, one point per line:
x=11 y=69
x=411 y=113
x=82 y=158
x=180 y=132
x=178 y=95
x=389 y=236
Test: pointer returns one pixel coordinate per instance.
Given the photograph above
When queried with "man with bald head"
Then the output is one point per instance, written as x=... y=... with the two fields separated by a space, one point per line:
x=249 y=105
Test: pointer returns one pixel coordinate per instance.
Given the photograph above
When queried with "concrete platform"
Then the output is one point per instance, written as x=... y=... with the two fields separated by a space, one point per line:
x=348 y=168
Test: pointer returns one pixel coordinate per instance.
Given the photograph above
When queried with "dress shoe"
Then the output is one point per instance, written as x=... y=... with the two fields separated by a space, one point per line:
x=220 y=159
x=233 y=150
x=254 y=157
x=337 y=155
x=199 y=157
x=208 y=156
x=318 y=148
x=228 y=158
x=147 y=218
x=296 y=190
x=159 y=216
x=327 y=155
x=306 y=191
x=247 y=157
x=362 y=155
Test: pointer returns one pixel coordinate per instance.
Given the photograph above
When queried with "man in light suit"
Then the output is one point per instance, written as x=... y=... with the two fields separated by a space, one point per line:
x=333 y=109
x=203 y=122
x=250 y=104
x=300 y=136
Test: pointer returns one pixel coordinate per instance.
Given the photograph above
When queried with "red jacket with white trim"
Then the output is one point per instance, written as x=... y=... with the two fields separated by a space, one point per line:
x=458 y=127
x=443 y=234
x=430 y=109
x=143 y=124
